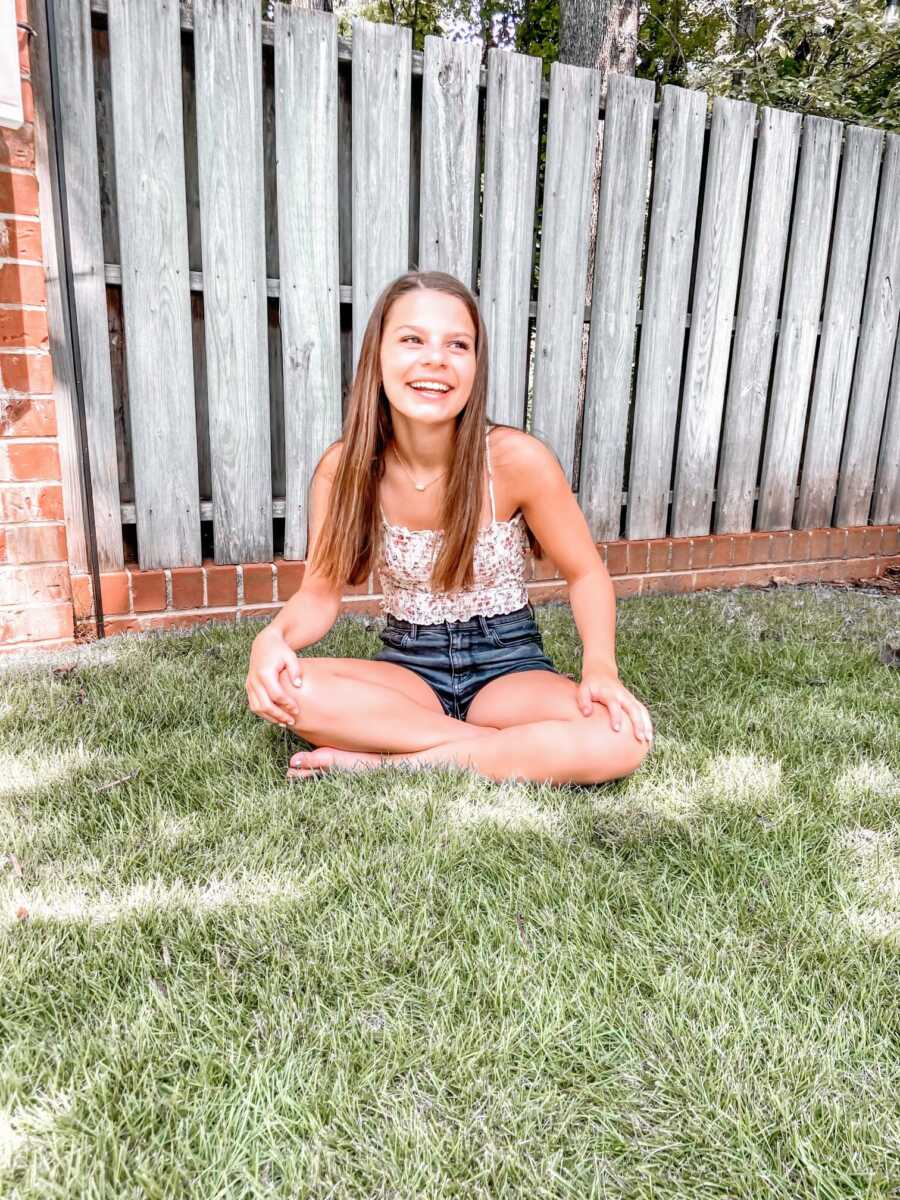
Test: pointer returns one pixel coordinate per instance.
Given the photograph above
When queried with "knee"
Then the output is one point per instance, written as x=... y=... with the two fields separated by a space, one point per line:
x=315 y=696
x=613 y=754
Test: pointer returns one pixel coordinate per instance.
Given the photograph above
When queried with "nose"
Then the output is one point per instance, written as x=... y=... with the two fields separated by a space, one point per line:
x=433 y=354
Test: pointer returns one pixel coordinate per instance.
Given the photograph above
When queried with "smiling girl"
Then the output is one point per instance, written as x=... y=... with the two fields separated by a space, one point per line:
x=445 y=504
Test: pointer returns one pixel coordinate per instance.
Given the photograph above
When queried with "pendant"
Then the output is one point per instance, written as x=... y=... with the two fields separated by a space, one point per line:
x=420 y=487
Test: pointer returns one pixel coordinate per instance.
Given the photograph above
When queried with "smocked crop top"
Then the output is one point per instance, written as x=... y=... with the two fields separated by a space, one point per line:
x=408 y=555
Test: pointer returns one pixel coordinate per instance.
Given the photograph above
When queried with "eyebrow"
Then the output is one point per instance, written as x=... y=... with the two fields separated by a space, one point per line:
x=419 y=329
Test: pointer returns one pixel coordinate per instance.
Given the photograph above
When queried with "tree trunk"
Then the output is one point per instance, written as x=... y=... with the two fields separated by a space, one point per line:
x=601 y=34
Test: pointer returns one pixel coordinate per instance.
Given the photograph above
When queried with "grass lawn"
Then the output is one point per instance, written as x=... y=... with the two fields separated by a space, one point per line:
x=216 y=983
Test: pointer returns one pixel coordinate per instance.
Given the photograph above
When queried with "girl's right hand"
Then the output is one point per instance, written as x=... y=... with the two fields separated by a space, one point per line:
x=267 y=698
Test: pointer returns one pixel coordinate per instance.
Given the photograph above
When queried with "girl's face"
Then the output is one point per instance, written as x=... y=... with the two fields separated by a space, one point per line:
x=428 y=336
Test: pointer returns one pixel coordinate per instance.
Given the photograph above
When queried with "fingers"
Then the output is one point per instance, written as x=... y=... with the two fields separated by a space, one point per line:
x=584 y=700
x=273 y=704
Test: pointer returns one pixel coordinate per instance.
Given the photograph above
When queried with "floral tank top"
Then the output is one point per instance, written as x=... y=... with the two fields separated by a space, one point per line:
x=408 y=555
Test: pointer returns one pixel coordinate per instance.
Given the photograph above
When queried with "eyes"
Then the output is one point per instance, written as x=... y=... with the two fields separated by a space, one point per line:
x=463 y=345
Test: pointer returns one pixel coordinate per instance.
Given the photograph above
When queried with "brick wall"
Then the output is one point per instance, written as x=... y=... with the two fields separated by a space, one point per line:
x=35 y=591
x=135 y=600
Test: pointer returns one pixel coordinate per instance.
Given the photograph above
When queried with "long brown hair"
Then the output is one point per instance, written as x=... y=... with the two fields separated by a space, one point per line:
x=350 y=536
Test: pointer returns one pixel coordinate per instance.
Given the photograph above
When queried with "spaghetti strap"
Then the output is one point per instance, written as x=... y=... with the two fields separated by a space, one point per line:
x=487 y=451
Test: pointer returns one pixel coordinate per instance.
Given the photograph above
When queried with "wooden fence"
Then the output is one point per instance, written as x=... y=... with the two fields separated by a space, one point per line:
x=239 y=192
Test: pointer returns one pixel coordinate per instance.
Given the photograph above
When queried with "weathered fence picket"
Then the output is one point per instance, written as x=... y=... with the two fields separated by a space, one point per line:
x=145 y=53
x=877 y=339
x=571 y=147
x=307 y=106
x=240 y=192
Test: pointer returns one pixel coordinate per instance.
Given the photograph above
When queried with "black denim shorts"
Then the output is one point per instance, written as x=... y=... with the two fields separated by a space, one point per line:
x=457 y=658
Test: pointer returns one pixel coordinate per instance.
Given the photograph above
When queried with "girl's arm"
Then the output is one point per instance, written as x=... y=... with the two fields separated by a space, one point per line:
x=553 y=514
x=313 y=609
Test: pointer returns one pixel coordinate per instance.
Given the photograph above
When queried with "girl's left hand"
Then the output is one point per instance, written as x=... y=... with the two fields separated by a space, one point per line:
x=605 y=688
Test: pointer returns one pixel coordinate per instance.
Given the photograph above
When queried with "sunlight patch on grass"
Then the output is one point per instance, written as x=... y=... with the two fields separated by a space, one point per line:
x=29 y=1123
x=509 y=805
x=102 y=906
x=22 y=772
x=872 y=899
x=748 y=779
x=871 y=778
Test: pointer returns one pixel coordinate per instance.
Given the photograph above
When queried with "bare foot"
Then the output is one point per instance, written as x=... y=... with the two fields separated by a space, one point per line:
x=326 y=758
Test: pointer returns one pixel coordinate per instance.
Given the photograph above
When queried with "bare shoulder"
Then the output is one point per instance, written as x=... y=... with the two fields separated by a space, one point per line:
x=327 y=466
x=522 y=460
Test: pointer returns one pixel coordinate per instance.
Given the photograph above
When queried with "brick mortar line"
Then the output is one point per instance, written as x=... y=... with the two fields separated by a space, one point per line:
x=20 y=262
x=10 y=216
x=9 y=306
x=31 y=351
x=7 y=170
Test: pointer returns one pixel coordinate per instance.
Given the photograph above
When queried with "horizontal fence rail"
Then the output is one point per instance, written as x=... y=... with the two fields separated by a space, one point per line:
x=240 y=192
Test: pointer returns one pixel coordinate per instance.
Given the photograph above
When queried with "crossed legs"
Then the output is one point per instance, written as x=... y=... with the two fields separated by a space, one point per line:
x=527 y=725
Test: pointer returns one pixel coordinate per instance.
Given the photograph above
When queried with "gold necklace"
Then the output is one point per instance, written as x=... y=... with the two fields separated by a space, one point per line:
x=420 y=487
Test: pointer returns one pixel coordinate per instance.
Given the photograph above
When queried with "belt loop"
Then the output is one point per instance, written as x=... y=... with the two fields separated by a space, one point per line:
x=413 y=631
x=483 y=623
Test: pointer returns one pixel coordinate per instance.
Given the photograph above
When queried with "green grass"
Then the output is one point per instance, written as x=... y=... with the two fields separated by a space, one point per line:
x=683 y=984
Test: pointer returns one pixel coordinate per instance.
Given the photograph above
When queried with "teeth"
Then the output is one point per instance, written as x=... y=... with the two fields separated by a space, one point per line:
x=422 y=387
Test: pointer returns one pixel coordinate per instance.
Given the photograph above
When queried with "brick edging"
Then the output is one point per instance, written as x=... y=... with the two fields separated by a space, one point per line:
x=180 y=597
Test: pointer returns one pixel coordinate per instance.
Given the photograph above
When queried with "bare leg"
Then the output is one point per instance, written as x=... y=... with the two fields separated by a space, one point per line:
x=581 y=750
x=352 y=712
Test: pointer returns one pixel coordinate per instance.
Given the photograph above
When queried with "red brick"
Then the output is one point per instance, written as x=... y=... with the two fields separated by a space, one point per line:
x=258 y=583
x=23 y=327
x=32 y=373
x=545 y=568
x=680 y=558
x=600 y=547
x=82 y=596
x=21 y=284
x=780 y=547
x=27 y=102
x=837 y=543
x=760 y=548
x=34 y=583
x=660 y=549
x=114 y=592
x=17 y=145
x=638 y=556
x=148 y=591
x=18 y=194
x=35 y=543
x=701 y=552
x=617 y=557
x=24 y=56
x=23 y=461
x=890 y=539
x=288 y=578
x=628 y=585
x=30 y=502
x=741 y=543
x=799 y=551
x=541 y=593
x=855 y=541
x=672 y=582
x=36 y=623
x=20 y=239
x=360 y=606
x=819 y=542
x=221 y=585
x=722 y=550
x=187 y=587
x=722 y=578
x=872 y=540
x=253 y=612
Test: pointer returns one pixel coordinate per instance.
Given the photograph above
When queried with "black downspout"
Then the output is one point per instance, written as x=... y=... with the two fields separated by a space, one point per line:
x=69 y=312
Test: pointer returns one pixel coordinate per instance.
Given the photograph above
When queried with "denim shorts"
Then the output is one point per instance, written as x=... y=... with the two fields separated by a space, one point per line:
x=457 y=658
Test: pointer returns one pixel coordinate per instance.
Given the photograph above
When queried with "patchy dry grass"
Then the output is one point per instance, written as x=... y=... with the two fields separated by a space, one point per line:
x=681 y=985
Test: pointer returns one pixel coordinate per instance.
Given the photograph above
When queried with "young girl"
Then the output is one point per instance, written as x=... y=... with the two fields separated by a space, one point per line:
x=445 y=504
